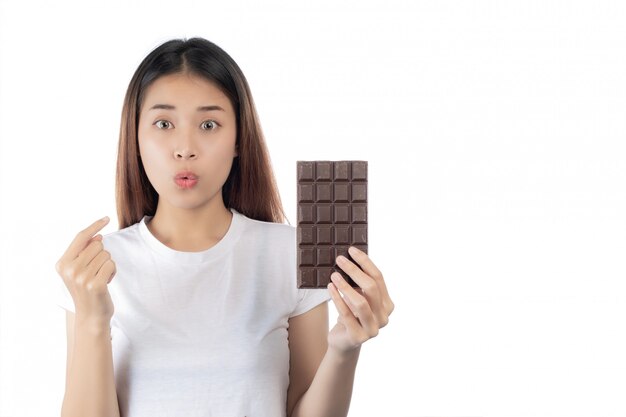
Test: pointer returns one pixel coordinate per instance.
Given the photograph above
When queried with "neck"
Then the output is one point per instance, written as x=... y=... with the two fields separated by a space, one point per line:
x=190 y=230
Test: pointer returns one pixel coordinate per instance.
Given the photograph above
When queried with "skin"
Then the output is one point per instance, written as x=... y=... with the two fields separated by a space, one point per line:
x=322 y=362
x=170 y=141
x=362 y=312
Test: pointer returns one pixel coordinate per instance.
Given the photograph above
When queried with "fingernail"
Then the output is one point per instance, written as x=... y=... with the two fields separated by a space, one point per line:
x=353 y=251
x=105 y=218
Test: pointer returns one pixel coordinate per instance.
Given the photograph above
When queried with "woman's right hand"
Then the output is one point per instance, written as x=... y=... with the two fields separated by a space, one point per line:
x=87 y=269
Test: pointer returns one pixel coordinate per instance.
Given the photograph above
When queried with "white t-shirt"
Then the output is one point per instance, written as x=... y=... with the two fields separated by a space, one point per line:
x=204 y=334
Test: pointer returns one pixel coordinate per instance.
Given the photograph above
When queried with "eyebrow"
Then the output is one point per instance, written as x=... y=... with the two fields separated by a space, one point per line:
x=170 y=107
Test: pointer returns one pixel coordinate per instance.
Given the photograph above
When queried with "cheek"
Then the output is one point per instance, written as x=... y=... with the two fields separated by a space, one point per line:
x=149 y=144
x=152 y=158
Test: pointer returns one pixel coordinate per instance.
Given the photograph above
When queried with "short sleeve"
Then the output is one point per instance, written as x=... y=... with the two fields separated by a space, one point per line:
x=63 y=298
x=309 y=298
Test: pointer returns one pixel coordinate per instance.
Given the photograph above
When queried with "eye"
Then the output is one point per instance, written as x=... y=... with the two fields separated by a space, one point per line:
x=213 y=122
x=157 y=122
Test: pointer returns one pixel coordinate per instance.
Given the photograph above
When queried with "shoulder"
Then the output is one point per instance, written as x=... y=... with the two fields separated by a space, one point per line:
x=272 y=230
x=121 y=237
x=277 y=241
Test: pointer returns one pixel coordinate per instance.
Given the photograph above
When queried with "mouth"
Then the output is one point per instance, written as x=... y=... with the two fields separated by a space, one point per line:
x=186 y=175
x=185 y=182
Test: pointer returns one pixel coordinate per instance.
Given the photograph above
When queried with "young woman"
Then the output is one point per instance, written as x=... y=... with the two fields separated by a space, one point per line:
x=204 y=317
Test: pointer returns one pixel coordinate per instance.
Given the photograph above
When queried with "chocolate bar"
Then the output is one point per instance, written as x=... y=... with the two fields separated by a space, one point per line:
x=332 y=216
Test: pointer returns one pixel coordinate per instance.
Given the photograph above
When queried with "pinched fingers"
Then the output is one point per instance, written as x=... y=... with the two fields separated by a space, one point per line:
x=88 y=269
x=80 y=241
x=95 y=267
x=93 y=248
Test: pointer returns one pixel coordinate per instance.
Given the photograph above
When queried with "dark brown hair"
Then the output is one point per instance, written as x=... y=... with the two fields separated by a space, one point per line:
x=250 y=188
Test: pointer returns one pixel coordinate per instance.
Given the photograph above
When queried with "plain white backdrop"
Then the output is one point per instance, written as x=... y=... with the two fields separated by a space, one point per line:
x=495 y=136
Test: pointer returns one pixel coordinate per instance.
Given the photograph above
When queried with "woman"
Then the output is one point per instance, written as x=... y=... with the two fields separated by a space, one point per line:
x=204 y=317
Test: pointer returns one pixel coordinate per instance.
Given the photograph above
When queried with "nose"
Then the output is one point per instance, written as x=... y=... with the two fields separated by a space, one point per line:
x=186 y=153
x=184 y=149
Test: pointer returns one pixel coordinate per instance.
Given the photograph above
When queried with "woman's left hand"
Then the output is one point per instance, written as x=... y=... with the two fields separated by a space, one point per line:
x=362 y=311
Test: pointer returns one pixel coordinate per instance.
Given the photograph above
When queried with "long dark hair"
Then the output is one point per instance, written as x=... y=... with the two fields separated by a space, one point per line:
x=250 y=187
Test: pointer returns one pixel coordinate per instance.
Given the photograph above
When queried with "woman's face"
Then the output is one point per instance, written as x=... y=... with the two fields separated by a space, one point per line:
x=184 y=137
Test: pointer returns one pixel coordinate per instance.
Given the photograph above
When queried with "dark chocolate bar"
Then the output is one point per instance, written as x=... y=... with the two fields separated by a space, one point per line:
x=332 y=216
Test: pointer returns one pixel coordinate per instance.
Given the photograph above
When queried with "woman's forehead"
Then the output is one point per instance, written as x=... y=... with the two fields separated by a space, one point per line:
x=185 y=92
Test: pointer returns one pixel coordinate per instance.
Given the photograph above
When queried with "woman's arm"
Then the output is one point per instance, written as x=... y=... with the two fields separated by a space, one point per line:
x=320 y=381
x=363 y=311
x=90 y=386
x=331 y=390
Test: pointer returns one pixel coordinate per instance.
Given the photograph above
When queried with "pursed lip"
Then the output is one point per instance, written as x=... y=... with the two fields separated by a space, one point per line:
x=186 y=174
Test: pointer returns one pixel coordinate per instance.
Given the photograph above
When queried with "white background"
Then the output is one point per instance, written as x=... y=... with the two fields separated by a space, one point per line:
x=494 y=132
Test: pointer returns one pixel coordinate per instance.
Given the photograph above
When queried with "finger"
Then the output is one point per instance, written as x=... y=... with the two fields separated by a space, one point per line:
x=94 y=248
x=107 y=271
x=342 y=308
x=95 y=265
x=82 y=239
x=368 y=285
x=359 y=306
x=112 y=275
x=346 y=316
x=368 y=266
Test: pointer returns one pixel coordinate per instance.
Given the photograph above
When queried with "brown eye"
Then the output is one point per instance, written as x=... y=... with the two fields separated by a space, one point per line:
x=213 y=122
x=157 y=122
